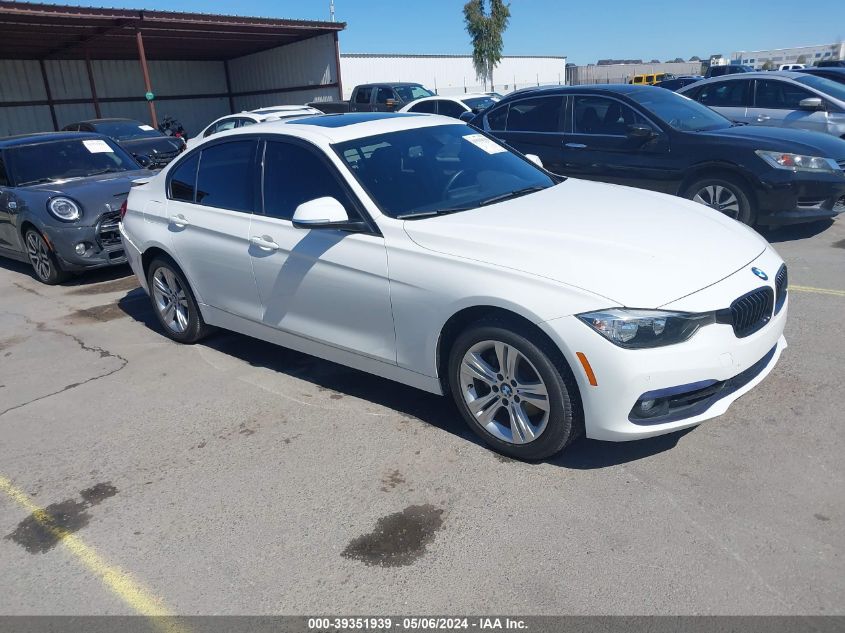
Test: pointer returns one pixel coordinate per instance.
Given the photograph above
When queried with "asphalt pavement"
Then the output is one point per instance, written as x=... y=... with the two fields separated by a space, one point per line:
x=236 y=477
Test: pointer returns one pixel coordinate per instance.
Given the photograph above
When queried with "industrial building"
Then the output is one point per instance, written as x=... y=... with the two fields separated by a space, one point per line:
x=61 y=64
x=450 y=74
x=797 y=55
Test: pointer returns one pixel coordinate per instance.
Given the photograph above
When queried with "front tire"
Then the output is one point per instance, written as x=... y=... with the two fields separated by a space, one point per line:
x=724 y=194
x=173 y=302
x=43 y=260
x=511 y=392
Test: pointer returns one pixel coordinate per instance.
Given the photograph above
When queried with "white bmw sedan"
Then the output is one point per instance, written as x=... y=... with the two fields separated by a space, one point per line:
x=418 y=249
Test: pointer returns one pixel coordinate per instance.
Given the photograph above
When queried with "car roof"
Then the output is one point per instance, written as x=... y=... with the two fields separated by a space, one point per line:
x=624 y=89
x=110 y=120
x=461 y=97
x=44 y=137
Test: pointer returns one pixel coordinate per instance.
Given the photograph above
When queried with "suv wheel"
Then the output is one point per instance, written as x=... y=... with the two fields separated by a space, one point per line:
x=511 y=393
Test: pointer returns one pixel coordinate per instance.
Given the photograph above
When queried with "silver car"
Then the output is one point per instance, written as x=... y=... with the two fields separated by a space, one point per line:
x=783 y=99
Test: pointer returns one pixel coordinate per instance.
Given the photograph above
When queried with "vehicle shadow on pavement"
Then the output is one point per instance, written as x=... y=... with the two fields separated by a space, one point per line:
x=99 y=275
x=435 y=410
x=796 y=231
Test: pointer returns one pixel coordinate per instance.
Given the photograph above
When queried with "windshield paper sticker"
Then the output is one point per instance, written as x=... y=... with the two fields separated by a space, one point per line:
x=482 y=142
x=146 y=128
x=96 y=146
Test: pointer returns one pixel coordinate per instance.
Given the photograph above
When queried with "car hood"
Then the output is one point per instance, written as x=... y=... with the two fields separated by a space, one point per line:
x=152 y=145
x=633 y=247
x=96 y=194
x=783 y=139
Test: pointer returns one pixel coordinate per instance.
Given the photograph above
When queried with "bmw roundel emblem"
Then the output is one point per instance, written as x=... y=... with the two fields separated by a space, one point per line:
x=760 y=273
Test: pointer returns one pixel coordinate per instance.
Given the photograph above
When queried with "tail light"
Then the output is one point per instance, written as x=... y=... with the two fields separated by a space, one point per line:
x=123 y=209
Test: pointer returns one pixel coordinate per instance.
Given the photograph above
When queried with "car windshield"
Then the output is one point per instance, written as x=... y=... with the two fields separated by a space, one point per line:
x=126 y=130
x=680 y=112
x=477 y=104
x=440 y=169
x=823 y=84
x=412 y=93
x=60 y=160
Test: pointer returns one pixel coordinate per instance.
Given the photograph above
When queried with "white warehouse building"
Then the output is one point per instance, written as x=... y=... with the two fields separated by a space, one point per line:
x=796 y=55
x=449 y=74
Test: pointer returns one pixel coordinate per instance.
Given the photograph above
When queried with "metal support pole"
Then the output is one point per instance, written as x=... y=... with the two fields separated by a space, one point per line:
x=229 y=87
x=143 y=58
x=337 y=66
x=93 y=85
x=49 y=95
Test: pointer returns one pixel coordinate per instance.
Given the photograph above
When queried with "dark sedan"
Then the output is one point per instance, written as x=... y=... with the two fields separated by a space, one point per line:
x=150 y=147
x=659 y=140
x=60 y=201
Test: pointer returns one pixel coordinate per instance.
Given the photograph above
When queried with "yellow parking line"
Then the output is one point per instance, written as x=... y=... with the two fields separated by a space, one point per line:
x=819 y=291
x=117 y=580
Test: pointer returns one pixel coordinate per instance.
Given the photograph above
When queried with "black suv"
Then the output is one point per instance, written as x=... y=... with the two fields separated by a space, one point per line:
x=656 y=139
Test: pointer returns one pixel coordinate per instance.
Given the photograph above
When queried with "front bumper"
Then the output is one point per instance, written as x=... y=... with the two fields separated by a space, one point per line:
x=103 y=243
x=713 y=355
x=793 y=197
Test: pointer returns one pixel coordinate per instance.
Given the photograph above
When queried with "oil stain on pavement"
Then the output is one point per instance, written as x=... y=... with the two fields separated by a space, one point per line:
x=41 y=533
x=399 y=539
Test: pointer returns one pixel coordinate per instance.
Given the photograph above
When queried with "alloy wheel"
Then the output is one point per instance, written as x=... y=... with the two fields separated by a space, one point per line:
x=719 y=198
x=39 y=255
x=504 y=392
x=170 y=300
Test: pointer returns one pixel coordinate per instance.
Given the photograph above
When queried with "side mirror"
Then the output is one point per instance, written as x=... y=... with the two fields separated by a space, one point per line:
x=324 y=213
x=811 y=103
x=640 y=131
x=535 y=159
x=390 y=103
x=143 y=160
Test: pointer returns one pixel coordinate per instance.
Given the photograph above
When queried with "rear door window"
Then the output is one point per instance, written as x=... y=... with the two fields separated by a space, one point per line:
x=226 y=176
x=450 y=108
x=725 y=94
x=364 y=94
x=427 y=107
x=541 y=114
x=183 y=179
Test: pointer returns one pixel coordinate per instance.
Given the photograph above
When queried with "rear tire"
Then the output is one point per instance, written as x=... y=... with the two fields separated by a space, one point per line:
x=725 y=194
x=43 y=260
x=173 y=302
x=511 y=392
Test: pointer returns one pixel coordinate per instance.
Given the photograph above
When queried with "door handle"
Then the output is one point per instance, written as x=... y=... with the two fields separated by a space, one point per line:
x=264 y=242
x=179 y=220
x=763 y=117
x=575 y=145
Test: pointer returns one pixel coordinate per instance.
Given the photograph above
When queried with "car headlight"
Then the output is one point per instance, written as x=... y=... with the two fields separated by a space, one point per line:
x=798 y=162
x=637 y=329
x=64 y=209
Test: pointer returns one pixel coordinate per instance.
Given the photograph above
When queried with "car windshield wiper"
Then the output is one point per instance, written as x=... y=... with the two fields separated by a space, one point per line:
x=511 y=194
x=107 y=170
x=428 y=214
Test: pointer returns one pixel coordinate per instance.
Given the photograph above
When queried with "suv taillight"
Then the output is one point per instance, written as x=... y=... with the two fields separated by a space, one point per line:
x=123 y=208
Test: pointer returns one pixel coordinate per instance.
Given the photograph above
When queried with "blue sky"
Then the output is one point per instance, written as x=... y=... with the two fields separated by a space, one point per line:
x=584 y=31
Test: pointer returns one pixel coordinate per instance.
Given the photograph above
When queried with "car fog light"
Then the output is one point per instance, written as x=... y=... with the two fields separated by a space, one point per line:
x=647 y=405
x=81 y=248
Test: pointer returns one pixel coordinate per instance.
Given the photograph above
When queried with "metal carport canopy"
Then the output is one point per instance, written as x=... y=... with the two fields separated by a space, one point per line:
x=45 y=31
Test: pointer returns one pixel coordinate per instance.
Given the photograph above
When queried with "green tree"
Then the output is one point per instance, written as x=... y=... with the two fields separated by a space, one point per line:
x=485 y=31
x=769 y=65
x=802 y=59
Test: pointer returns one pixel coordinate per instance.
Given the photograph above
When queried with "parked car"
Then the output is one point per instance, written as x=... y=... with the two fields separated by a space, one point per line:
x=381 y=97
x=650 y=78
x=781 y=99
x=791 y=66
x=831 y=63
x=60 y=197
x=728 y=69
x=833 y=74
x=243 y=119
x=150 y=147
x=679 y=82
x=659 y=140
x=505 y=285
x=452 y=106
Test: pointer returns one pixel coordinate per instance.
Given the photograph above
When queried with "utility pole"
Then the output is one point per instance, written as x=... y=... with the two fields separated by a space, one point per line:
x=331 y=9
